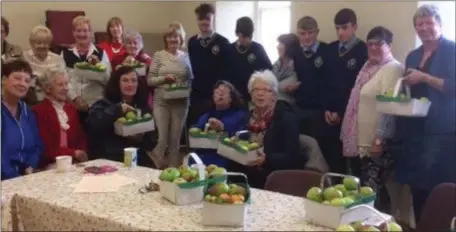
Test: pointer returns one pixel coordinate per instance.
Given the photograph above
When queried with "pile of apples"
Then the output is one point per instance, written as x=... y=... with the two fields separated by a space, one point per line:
x=341 y=194
x=195 y=131
x=185 y=174
x=131 y=118
x=223 y=193
x=359 y=226
x=242 y=145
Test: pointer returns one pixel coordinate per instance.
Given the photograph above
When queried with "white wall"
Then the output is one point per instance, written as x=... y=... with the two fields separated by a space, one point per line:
x=228 y=12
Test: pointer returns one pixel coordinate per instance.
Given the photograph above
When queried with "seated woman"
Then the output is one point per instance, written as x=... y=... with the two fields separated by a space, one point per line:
x=226 y=115
x=21 y=144
x=40 y=59
x=272 y=126
x=9 y=50
x=124 y=92
x=58 y=120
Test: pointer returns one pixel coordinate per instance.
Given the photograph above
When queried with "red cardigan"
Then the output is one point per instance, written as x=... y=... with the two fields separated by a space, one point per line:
x=108 y=46
x=49 y=131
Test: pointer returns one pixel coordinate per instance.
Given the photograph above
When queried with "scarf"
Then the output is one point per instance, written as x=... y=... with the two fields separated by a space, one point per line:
x=259 y=122
x=349 y=129
x=283 y=71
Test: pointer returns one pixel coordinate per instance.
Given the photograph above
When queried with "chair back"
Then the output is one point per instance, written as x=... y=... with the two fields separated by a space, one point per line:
x=293 y=182
x=439 y=209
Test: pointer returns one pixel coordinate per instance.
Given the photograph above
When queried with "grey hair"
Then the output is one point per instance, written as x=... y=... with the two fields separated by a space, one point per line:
x=427 y=10
x=136 y=36
x=266 y=76
x=40 y=29
x=50 y=75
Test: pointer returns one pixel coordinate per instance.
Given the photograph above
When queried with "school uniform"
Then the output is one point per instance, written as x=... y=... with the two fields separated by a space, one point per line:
x=208 y=60
x=243 y=62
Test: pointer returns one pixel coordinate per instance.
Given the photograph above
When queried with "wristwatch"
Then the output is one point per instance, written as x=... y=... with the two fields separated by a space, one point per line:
x=378 y=142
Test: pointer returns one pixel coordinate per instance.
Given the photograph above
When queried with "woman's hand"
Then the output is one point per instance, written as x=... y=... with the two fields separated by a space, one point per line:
x=80 y=155
x=376 y=148
x=292 y=87
x=332 y=118
x=81 y=105
x=216 y=124
x=93 y=60
x=125 y=108
x=169 y=79
x=259 y=161
x=413 y=77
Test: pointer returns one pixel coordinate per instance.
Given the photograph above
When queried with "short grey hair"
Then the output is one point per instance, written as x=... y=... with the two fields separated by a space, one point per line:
x=133 y=35
x=50 y=75
x=427 y=10
x=40 y=29
x=266 y=76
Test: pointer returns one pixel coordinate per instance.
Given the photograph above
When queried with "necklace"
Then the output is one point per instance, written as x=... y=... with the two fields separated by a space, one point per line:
x=241 y=50
x=115 y=51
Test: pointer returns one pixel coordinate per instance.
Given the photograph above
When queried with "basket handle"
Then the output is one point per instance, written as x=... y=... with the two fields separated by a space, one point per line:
x=327 y=176
x=239 y=133
x=385 y=219
x=397 y=88
x=453 y=224
x=198 y=163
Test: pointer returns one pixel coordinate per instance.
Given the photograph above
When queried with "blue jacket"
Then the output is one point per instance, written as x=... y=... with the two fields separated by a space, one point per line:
x=21 y=144
x=425 y=147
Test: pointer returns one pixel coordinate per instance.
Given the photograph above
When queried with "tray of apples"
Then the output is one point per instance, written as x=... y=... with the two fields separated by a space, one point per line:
x=396 y=103
x=240 y=151
x=134 y=123
x=176 y=90
x=367 y=218
x=139 y=67
x=325 y=205
x=206 y=139
x=225 y=202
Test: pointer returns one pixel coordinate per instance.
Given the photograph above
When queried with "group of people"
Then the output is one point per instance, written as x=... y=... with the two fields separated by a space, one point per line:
x=314 y=108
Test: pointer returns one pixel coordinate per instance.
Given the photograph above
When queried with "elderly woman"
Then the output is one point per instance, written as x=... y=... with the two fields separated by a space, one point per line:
x=40 y=59
x=21 y=143
x=361 y=132
x=85 y=91
x=58 y=120
x=124 y=92
x=273 y=126
x=170 y=65
x=227 y=115
x=425 y=147
x=9 y=51
x=115 y=44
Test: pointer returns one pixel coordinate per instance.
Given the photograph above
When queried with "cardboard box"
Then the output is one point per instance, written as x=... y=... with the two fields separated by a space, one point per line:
x=126 y=129
x=176 y=93
x=90 y=75
x=187 y=193
x=230 y=151
x=208 y=140
x=226 y=214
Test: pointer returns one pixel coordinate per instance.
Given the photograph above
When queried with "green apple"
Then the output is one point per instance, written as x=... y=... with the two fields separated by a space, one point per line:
x=169 y=174
x=314 y=194
x=366 y=191
x=208 y=197
x=228 y=140
x=342 y=188
x=424 y=99
x=219 y=188
x=345 y=228
x=211 y=132
x=211 y=167
x=218 y=171
x=189 y=175
x=357 y=225
x=371 y=229
x=331 y=193
x=394 y=227
x=243 y=143
x=130 y=115
x=351 y=183
x=237 y=190
x=121 y=120
x=179 y=181
x=325 y=202
x=183 y=168
x=348 y=200
x=194 y=130
x=337 y=202
x=147 y=115
x=253 y=146
x=244 y=148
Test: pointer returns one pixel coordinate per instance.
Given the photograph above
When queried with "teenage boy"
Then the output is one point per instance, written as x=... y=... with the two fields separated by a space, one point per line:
x=346 y=56
x=246 y=56
x=207 y=51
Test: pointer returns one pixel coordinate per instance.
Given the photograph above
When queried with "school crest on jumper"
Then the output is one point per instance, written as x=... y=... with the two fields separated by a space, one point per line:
x=215 y=49
x=351 y=64
x=251 y=58
x=318 y=62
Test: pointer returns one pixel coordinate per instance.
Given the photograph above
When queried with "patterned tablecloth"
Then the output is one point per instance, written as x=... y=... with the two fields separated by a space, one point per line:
x=45 y=201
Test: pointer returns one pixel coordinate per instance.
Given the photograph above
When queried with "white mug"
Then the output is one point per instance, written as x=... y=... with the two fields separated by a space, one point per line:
x=63 y=163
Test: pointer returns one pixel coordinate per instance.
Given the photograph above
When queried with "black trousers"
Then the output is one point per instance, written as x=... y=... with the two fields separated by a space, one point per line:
x=419 y=199
x=256 y=175
x=198 y=106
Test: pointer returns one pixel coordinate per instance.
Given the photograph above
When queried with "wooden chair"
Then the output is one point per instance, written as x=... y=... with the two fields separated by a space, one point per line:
x=293 y=182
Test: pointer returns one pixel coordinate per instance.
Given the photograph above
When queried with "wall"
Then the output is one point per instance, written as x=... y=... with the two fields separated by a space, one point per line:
x=142 y=16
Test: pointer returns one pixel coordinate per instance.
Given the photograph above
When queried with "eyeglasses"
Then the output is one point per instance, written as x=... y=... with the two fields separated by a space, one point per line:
x=261 y=90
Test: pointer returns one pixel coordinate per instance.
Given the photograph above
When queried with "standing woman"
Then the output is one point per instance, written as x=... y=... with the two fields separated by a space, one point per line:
x=115 y=44
x=425 y=152
x=40 y=59
x=9 y=50
x=171 y=65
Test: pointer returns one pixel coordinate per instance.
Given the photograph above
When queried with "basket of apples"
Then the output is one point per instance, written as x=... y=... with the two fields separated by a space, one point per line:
x=133 y=123
x=91 y=69
x=240 y=151
x=225 y=203
x=326 y=205
x=206 y=139
x=139 y=67
x=394 y=103
x=367 y=218
x=175 y=90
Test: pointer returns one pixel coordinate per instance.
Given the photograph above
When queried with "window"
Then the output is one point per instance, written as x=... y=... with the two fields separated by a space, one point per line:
x=271 y=18
x=448 y=14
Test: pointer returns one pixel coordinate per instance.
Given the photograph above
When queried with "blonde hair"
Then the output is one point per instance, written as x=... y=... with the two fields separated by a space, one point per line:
x=40 y=29
x=78 y=20
x=175 y=28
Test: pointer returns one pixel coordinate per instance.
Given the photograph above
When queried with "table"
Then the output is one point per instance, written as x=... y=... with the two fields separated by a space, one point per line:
x=44 y=201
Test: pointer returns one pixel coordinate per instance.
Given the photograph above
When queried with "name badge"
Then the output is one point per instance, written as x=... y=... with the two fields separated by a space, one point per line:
x=251 y=58
x=215 y=50
x=351 y=64
x=318 y=62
